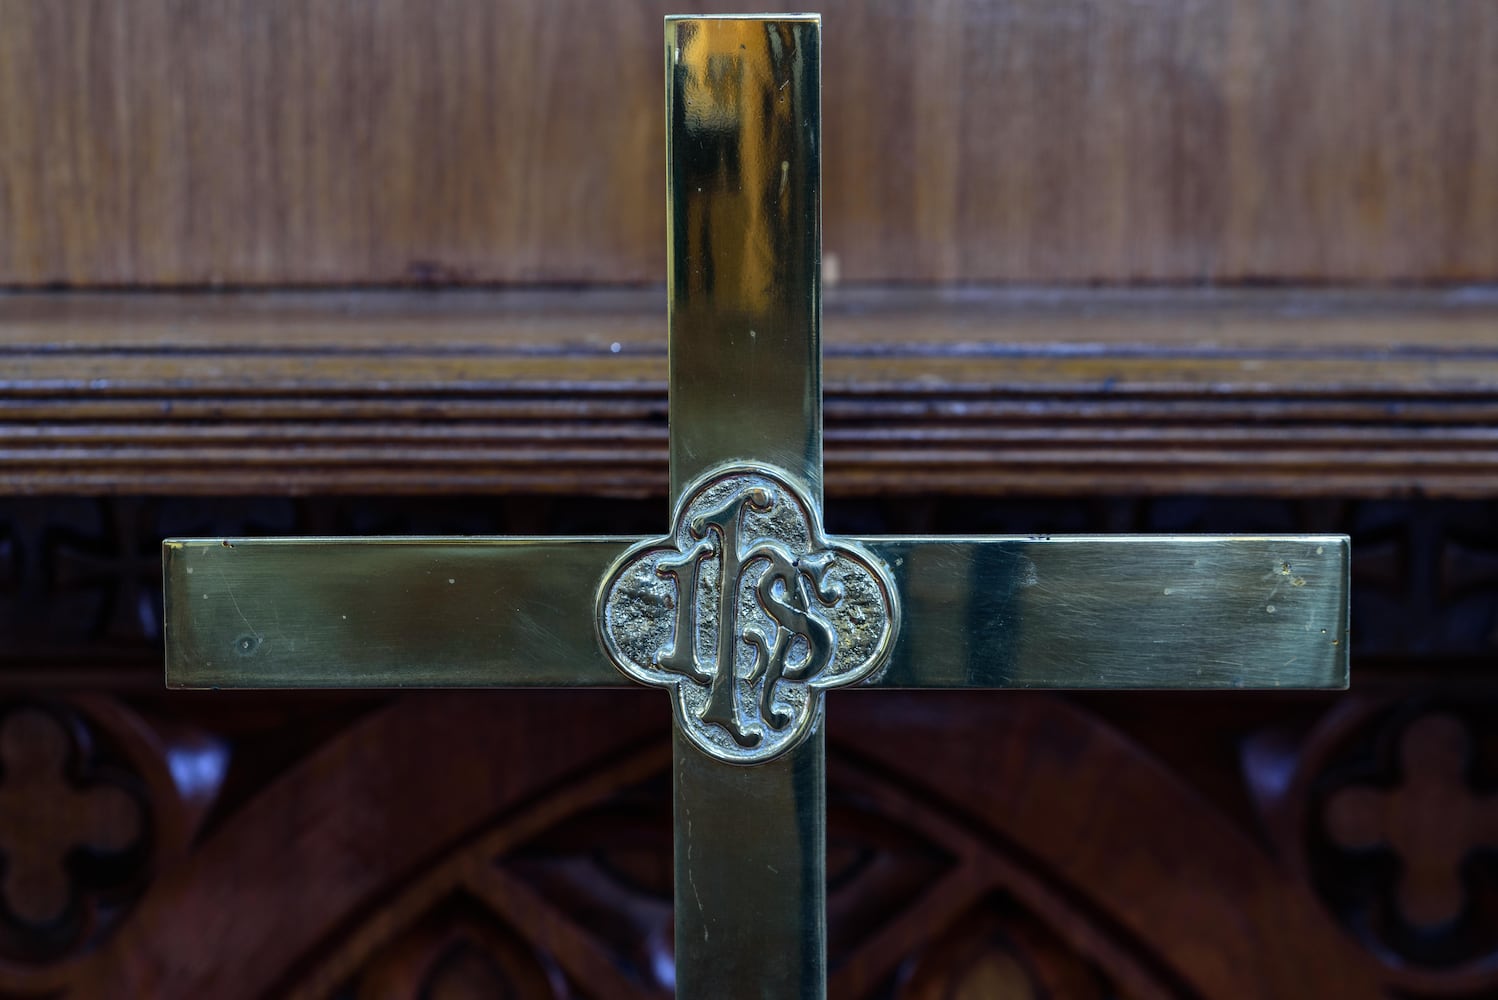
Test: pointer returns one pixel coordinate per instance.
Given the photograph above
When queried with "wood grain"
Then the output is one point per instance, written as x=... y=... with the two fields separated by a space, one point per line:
x=241 y=142
x=1252 y=392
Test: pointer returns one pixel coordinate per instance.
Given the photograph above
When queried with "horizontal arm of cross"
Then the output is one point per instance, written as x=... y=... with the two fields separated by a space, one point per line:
x=386 y=612
x=1119 y=611
x=1111 y=612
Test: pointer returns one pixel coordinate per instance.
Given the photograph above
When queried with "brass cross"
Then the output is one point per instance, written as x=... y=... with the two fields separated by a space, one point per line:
x=745 y=610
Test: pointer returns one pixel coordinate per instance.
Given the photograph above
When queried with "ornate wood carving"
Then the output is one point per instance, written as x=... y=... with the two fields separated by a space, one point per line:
x=1431 y=822
x=108 y=581
x=555 y=880
x=459 y=951
x=999 y=950
x=94 y=802
x=55 y=805
x=962 y=856
x=1386 y=809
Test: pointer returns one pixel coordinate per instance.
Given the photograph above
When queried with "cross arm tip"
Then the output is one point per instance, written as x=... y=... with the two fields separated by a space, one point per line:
x=1101 y=612
x=385 y=613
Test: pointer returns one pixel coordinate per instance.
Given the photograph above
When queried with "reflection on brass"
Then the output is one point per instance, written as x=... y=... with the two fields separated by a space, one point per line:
x=746 y=611
x=744 y=244
x=385 y=612
x=1116 y=612
x=1099 y=612
x=751 y=882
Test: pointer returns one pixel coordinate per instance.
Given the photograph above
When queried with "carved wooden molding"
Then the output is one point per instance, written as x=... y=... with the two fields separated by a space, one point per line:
x=1263 y=392
x=962 y=850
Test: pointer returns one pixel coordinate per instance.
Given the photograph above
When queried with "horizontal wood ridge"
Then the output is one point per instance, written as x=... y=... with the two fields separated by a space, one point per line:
x=1265 y=391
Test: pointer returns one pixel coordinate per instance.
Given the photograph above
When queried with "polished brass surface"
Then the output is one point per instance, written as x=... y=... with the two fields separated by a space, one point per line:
x=751 y=884
x=1117 y=612
x=743 y=291
x=744 y=243
x=372 y=612
x=1097 y=612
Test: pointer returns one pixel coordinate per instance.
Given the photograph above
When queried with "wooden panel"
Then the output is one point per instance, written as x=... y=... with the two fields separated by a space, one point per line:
x=1267 y=392
x=1009 y=846
x=248 y=142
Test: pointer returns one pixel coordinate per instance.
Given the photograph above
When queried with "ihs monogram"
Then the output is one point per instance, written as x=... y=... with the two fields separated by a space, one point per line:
x=747 y=612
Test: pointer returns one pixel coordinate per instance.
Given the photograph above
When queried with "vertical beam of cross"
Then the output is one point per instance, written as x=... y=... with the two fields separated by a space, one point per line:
x=744 y=240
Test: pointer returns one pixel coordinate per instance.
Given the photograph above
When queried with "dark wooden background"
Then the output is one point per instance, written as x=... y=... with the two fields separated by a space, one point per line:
x=394 y=267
